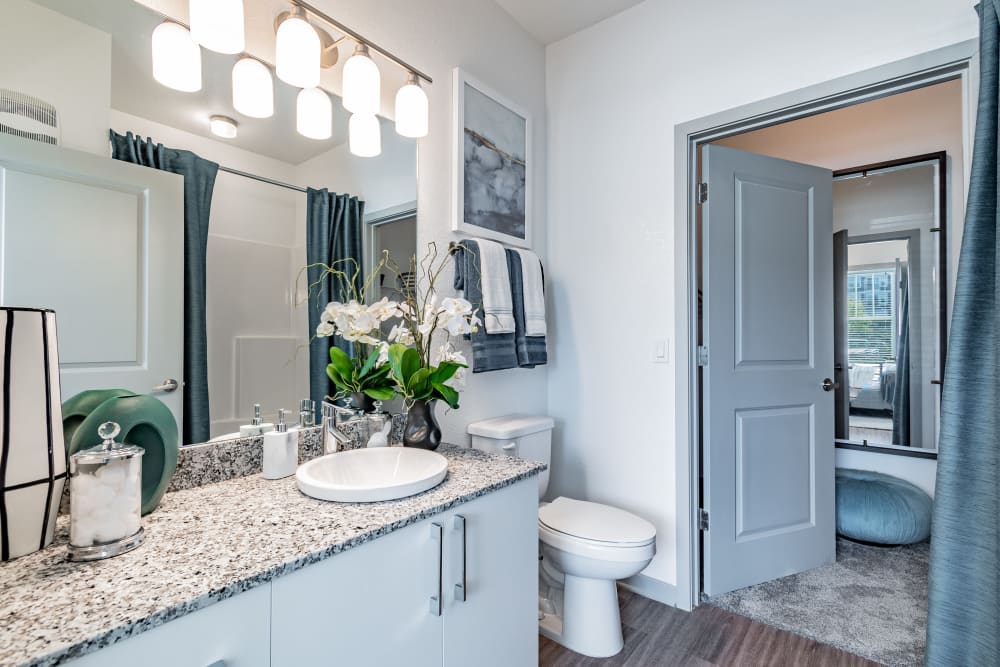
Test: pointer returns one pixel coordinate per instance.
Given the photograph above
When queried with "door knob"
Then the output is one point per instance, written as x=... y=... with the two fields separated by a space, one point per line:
x=829 y=385
x=168 y=385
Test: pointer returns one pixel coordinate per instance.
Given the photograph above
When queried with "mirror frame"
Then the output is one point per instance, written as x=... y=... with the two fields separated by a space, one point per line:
x=941 y=158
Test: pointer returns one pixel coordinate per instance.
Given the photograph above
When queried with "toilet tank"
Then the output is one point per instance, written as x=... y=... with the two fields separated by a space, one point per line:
x=524 y=436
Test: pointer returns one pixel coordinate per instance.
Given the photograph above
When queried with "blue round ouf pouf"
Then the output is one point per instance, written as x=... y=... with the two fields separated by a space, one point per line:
x=881 y=509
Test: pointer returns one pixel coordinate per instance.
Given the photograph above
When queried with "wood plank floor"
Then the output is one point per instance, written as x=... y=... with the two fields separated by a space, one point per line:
x=656 y=634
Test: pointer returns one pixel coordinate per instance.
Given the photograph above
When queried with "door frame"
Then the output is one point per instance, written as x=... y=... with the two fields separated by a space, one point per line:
x=958 y=61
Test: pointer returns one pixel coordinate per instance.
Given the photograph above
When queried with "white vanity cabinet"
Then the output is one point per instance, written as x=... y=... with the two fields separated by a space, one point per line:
x=377 y=605
x=232 y=633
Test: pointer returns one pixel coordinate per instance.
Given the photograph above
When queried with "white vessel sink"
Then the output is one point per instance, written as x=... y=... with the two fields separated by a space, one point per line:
x=371 y=475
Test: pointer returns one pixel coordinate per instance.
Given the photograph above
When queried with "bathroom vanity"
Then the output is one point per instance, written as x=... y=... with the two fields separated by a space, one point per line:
x=250 y=572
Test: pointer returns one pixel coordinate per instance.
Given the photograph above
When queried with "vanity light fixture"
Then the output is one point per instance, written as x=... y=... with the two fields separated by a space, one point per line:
x=253 y=88
x=223 y=126
x=364 y=135
x=362 y=86
x=176 y=58
x=297 y=49
x=314 y=114
x=218 y=24
x=411 y=109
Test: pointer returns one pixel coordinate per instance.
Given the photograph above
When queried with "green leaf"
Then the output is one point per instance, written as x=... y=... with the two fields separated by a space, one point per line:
x=418 y=383
x=445 y=371
x=449 y=395
x=342 y=362
x=404 y=361
x=369 y=363
x=381 y=393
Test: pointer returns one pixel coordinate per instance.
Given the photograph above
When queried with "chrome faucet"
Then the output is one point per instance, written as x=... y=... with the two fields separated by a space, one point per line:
x=335 y=440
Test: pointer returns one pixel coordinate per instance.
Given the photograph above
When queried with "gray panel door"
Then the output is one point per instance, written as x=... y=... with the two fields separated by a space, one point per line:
x=768 y=320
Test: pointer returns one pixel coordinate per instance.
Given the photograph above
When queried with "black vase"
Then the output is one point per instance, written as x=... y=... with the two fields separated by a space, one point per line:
x=422 y=430
x=362 y=401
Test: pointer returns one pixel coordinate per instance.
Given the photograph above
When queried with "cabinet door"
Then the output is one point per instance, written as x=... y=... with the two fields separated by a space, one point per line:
x=369 y=606
x=497 y=622
x=233 y=633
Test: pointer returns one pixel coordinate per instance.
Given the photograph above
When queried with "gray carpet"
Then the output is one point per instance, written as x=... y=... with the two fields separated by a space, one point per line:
x=872 y=602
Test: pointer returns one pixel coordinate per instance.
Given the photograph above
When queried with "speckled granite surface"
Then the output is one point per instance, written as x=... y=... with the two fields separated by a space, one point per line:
x=203 y=545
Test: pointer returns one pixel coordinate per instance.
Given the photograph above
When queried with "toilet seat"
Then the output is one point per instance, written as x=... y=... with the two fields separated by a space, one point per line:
x=595 y=530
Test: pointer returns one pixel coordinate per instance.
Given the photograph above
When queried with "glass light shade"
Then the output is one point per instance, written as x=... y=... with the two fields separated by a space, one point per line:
x=314 y=114
x=411 y=111
x=362 y=84
x=253 y=89
x=364 y=135
x=223 y=126
x=176 y=58
x=297 y=53
x=218 y=24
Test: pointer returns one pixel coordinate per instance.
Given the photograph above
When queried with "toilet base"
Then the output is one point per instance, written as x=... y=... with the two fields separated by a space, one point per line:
x=590 y=623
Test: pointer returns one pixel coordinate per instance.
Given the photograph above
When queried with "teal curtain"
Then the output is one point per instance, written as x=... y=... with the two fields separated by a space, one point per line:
x=333 y=233
x=963 y=624
x=901 y=386
x=199 y=181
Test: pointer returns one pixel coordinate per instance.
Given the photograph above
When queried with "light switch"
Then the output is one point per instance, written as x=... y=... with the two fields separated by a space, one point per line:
x=661 y=350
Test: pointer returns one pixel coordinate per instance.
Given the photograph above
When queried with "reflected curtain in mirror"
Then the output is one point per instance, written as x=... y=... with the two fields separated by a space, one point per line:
x=901 y=386
x=333 y=234
x=963 y=624
x=199 y=182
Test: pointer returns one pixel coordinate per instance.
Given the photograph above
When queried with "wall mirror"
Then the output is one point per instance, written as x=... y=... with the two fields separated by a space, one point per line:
x=890 y=273
x=101 y=241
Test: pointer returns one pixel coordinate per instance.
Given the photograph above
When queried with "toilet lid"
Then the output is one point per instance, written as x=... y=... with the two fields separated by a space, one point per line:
x=593 y=521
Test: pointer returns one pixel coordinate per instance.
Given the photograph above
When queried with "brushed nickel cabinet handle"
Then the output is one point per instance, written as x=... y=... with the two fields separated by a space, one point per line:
x=437 y=535
x=461 y=588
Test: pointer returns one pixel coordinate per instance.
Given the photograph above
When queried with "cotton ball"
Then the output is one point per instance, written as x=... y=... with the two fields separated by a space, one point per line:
x=112 y=527
x=83 y=531
x=132 y=523
x=113 y=474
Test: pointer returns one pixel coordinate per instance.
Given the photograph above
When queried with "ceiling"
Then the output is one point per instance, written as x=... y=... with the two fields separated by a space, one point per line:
x=549 y=21
x=134 y=91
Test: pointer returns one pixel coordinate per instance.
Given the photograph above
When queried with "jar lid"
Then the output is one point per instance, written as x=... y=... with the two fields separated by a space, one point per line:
x=109 y=450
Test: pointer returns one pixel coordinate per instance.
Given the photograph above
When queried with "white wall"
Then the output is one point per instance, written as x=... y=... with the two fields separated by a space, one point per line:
x=252 y=256
x=918 y=471
x=63 y=62
x=480 y=37
x=611 y=118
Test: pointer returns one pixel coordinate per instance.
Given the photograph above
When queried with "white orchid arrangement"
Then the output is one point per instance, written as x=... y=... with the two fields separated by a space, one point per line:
x=417 y=358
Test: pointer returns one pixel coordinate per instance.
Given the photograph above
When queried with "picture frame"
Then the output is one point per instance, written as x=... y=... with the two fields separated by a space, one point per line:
x=492 y=165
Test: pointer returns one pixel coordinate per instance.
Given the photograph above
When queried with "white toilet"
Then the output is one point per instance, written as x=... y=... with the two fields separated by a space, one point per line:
x=586 y=547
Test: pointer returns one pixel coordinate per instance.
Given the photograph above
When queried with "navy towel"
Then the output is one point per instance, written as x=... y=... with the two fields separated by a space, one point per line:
x=530 y=349
x=490 y=352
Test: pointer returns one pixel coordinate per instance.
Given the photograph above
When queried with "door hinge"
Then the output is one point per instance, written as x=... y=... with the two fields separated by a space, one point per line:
x=702 y=355
x=702 y=193
x=702 y=519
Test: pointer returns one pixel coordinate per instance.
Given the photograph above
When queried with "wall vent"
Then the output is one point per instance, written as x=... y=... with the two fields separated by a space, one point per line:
x=29 y=117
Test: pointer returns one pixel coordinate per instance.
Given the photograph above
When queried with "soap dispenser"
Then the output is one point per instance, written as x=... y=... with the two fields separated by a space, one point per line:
x=281 y=451
x=257 y=426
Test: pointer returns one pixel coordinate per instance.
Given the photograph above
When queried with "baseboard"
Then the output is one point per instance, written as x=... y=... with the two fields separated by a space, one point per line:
x=654 y=589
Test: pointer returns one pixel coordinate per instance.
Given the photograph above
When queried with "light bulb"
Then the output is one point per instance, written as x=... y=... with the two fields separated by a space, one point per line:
x=218 y=24
x=362 y=83
x=223 y=126
x=176 y=58
x=411 y=109
x=297 y=51
x=364 y=135
x=314 y=114
x=253 y=89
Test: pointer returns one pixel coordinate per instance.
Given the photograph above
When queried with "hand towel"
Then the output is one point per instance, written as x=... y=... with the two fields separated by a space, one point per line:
x=531 y=350
x=498 y=310
x=490 y=352
x=533 y=293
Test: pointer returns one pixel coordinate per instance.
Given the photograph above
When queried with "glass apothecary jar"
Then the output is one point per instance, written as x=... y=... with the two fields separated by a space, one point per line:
x=105 y=494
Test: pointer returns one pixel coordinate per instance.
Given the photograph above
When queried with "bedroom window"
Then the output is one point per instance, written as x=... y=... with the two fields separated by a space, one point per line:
x=871 y=315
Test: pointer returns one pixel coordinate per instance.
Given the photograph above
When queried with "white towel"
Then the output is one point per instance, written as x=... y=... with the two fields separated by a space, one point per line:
x=498 y=306
x=534 y=293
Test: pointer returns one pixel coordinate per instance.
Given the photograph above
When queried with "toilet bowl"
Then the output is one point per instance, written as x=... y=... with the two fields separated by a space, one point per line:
x=592 y=546
x=586 y=547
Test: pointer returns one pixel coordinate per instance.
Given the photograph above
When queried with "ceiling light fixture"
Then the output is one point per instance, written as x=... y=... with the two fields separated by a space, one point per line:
x=364 y=135
x=218 y=24
x=223 y=126
x=176 y=58
x=253 y=88
x=362 y=83
x=411 y=109
x=314 y=114
x=297 y=50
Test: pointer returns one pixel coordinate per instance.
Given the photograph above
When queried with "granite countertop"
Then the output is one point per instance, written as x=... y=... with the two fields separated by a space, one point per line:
x=203 y=545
